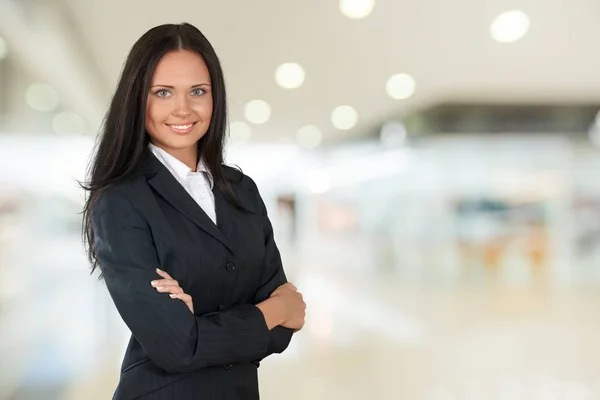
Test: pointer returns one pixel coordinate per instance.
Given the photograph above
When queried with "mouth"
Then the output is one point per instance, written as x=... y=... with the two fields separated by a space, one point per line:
x=182 y=128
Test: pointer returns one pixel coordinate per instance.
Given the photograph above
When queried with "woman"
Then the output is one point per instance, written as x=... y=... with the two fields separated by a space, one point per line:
x=183 y=242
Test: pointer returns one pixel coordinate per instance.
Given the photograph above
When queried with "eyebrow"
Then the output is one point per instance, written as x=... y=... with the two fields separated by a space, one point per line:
x=173 y=87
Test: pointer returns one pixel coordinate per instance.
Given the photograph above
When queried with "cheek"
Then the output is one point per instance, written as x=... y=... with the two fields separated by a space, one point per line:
x=155 y=115
x=204 y=109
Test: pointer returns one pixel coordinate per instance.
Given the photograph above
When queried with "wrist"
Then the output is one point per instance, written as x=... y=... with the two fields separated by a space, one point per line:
x=273 y=311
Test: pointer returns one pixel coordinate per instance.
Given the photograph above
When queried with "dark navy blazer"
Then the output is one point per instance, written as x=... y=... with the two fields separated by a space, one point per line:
x=149 y=221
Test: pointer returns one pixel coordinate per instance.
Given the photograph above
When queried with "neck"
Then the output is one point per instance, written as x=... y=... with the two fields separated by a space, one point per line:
x=188 y=156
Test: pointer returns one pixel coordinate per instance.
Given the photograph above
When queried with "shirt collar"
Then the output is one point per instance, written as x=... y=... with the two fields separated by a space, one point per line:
x=177 y=168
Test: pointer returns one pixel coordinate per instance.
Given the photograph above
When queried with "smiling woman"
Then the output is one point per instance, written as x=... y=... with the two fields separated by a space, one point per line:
x=179 y=109
x=183 y=241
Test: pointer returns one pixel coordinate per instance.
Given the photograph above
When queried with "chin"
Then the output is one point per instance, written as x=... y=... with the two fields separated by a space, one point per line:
x=176 y=141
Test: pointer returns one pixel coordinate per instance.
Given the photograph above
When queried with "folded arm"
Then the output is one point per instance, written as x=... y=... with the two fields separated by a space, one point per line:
x=273 y=277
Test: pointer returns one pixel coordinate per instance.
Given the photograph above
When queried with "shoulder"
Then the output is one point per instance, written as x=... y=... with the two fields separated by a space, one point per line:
x=120 y=195
x=118 y=207
x=236 y=177
x=245 y=186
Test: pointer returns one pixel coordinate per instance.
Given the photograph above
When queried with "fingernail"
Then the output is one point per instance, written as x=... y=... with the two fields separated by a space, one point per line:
x=159 y=270
x=160 y=288
x=153 y=283
x=172 y=296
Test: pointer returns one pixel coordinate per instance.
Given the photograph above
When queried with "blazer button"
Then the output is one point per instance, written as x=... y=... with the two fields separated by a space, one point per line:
x=227 y=367
x=230 y=267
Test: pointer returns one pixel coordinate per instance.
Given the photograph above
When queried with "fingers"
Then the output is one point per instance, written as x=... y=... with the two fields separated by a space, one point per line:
x=286 y=286
x=163 y=274
x=170 y=289
x=171 y=286
x=186 y=298
x=164 y=282
x=167 y=285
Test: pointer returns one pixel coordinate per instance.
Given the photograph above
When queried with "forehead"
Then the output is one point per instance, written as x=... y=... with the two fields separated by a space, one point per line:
x=181 y=67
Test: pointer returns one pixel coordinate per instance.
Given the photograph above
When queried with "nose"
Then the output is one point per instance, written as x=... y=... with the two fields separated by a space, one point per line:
x=182 y=109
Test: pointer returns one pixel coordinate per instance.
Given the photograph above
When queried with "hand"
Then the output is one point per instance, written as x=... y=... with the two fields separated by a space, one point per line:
x=294 y=306
x=170 y=285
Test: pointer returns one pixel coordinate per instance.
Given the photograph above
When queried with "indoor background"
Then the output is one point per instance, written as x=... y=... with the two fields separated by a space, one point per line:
x=430 y=168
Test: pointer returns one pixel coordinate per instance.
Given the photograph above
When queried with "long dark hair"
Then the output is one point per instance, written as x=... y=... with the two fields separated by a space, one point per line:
x=123 y=141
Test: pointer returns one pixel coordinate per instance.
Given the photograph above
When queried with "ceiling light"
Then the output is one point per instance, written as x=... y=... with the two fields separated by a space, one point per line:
x=509 y=26
x=68 y=123
x=240 y=132
x=289 y=75
x=400 y=86
x=356 y=9
x=309 y=136
x=257 y=111
x=41 y=97
x=344 y=117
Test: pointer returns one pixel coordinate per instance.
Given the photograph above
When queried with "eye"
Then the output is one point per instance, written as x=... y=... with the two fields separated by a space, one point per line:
x=162 y=93
x=198 y=92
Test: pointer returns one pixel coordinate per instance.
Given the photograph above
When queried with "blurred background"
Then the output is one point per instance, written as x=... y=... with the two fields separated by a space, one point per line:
x=430 y=168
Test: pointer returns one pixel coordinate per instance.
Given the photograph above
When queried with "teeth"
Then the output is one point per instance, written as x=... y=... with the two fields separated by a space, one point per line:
x=182 y=126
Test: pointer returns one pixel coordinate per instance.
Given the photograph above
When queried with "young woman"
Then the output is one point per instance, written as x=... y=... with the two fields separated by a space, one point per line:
x=182 y=241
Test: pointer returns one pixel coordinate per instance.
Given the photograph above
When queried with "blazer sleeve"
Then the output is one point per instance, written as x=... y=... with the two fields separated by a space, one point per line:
x=273 y=276
x=172 y=337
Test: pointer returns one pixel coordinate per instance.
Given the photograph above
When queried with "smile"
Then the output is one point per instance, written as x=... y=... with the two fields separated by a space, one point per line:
x=181 y=128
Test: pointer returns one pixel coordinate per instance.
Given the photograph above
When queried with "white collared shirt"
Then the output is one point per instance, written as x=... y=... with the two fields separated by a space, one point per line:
x=198 y=184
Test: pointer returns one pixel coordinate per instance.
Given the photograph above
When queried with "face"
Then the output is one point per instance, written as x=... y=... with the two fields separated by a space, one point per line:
x=180 y=103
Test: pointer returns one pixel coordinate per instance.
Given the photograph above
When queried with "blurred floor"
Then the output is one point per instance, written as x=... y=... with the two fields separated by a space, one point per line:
x=389 y=341
x=367 y=337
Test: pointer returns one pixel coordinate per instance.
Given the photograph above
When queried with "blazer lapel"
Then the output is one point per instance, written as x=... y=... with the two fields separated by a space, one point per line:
x=225 y=213
x=172 y=191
